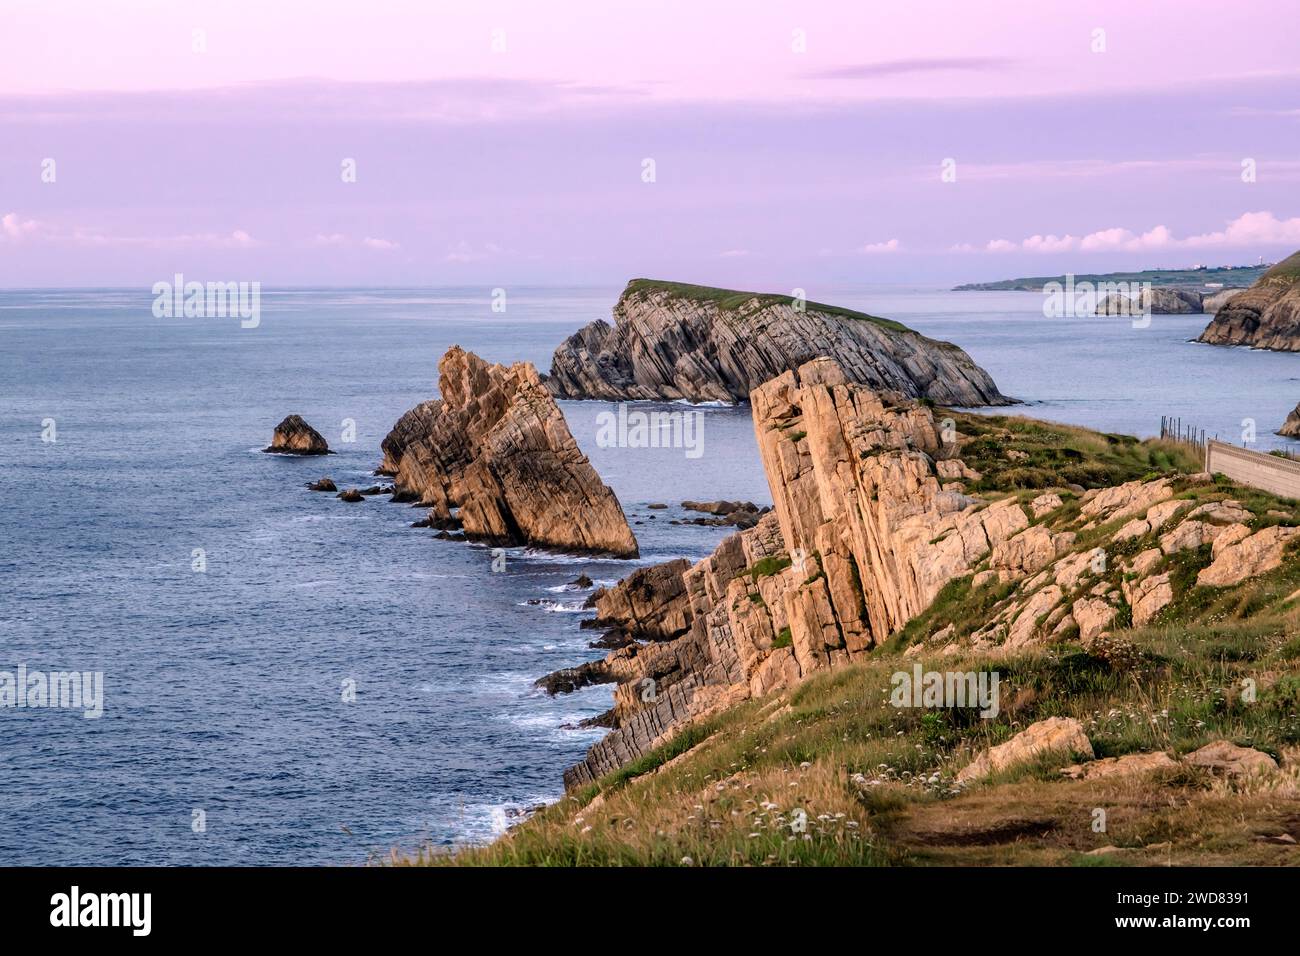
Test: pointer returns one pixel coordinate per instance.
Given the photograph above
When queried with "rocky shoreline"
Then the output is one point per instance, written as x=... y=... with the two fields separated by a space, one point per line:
x=1265 y=316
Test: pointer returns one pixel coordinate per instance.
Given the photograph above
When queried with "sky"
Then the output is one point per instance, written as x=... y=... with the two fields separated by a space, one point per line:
x=766 y=145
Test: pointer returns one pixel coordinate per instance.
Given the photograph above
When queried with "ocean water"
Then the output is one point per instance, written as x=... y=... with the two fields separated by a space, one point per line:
x=224 y=689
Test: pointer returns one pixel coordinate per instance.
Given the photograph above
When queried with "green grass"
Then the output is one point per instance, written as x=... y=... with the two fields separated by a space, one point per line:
x=732 y=299
x=1238 y=277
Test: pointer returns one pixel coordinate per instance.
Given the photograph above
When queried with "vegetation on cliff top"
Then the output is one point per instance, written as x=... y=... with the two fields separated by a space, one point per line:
x=1231 y=277
x=830 y=773
x=732 y=300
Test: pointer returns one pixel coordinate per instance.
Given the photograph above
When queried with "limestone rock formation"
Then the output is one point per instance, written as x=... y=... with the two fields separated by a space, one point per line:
x=1212 y=302
x=1265 y=316
x=294 y=436
x=1055 y=734
x=1155 y=301
x=1223 y=756
x=1291 y=427
x=671 y=341
x=1126 y=766
x=495 y=454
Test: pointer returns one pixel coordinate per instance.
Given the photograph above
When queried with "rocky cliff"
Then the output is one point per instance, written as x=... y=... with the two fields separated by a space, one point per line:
x=874 y=537
x=1265 y=316
x=1154 y=301
x=671 y=341
x=495 y=455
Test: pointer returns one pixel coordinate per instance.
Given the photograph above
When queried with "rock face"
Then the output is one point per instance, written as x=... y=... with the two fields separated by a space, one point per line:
x=1223 y=756
x=1291 y=427
x=1212 y=302
x=496 y=454
x=294 y=436
x=1157 y=300
x=672 y=341
x=1265 y=316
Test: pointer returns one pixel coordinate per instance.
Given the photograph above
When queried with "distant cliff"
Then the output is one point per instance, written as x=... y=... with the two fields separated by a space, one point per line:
x=672 y=341
x=1265 y=316
x=495 y=456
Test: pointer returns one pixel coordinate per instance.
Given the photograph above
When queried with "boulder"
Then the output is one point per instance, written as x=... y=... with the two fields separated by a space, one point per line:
x=1225 y=757
x=325 y=484
x=1126 y=766
x=351 y=494
x=1063 y=734
x=1245 y=557
x=294 y=436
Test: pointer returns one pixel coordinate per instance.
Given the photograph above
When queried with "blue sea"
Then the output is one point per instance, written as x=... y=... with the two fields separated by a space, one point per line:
x=228 y=734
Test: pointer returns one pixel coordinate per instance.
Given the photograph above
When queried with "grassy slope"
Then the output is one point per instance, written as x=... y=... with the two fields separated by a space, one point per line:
x=876 y=781
x=1241 y=276
x=731 y=299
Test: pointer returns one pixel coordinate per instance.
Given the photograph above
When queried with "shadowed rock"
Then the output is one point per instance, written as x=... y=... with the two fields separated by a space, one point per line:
x=1265 y=316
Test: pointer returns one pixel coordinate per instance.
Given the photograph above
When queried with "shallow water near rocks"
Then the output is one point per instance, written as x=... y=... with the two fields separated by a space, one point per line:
x=224 y=689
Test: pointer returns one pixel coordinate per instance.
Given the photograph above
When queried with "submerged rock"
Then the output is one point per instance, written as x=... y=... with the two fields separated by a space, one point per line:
x=294 y=436
x=673 y=341
x=495 y=451
x=351 y=494
x=325 y=484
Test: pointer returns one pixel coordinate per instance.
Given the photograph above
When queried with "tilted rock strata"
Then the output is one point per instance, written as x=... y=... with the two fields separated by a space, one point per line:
x=1156 y=301
x=1265 y=316
x=496 y=454
x=667 y=344
x=294 y=436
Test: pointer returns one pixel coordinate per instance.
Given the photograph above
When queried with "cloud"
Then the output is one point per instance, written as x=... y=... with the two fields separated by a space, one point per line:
x=383 y=245
x=15 y=229
x=329 y=239
x=238 y=239
x=1249 y=229
x=868 y=71
x=875 y=248
x=734 y=253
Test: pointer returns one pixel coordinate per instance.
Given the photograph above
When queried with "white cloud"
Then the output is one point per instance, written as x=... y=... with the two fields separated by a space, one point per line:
x=1249 y=229
x=874 y=248
x=383 y=245
x=734 y=253
x=15 y=229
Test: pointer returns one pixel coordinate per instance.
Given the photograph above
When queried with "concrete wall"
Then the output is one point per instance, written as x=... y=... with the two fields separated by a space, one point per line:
x=1253 y=468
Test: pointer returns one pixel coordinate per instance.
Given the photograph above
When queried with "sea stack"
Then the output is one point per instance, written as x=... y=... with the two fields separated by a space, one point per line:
x=1265 y=316
x=495 y=455
x=1291 y=427
x=672 y=341
x=294 y=436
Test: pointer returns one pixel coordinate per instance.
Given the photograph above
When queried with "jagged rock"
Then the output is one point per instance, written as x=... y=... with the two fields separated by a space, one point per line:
x=496 y=449
x=1223 y=756
x=581 y=583
x=1045 y=504
x=1155 y=301
x=1265 y=316
x=649 y=604
x=1093 y=616
x=294 y=436
x=1125 y=766
x=1053 y=734
x=350 y=494
x=671 y=341
x=1031 y=550
x=1291 y=427
x=1237 y=558
x=1027 y=622
x=1148 y=597
x=1126 y=500
x=1155 y=519
x=325 y=484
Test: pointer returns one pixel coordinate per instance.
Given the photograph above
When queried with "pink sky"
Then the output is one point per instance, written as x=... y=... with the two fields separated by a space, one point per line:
x=793 y=142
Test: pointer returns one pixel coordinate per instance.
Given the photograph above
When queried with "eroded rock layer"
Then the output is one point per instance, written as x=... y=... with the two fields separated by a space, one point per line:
x=672 y=341
x=495 y=454
x=1265 y=316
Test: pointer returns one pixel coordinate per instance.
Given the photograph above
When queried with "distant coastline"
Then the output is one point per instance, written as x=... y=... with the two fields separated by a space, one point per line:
x=1228 y=276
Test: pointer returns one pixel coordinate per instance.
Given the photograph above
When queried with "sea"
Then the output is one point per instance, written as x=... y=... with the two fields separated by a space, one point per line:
x=291 y=679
